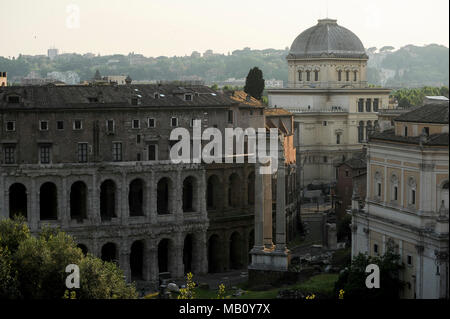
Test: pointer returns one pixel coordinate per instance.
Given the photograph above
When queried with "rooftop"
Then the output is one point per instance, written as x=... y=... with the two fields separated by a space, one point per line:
x=429 y=113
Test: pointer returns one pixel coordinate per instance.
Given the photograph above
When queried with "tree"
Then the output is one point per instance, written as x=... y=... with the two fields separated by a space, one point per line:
x=34 y=267
x=97 y=75
x=254 y=83
x=353 y=279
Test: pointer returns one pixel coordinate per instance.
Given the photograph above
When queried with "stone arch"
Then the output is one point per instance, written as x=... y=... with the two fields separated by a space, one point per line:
x=137 y=260
x=83 y=248
x=17 y=200
x=236 y=249
x=251 y=189
x=78 y=200
x=188 y=253
x=48 y=201
x=166 y=261
x=215 y=254
x=213 y=195
x=164 y=196
x=234 y=190
x=190 y=194
x=136 y=197
x=109 y=252
x=108 y=200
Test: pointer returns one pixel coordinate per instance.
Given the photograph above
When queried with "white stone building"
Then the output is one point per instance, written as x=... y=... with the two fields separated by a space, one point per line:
x=407 y=206
x=328 y=93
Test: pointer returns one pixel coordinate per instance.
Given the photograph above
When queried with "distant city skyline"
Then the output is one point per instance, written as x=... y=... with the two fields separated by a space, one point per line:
x=177 y=28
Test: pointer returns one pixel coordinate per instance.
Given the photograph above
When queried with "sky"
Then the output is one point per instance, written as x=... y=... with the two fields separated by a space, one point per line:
x=178 y=27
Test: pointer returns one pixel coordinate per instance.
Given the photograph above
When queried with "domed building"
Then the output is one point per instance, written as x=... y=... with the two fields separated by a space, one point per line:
x=335 y=109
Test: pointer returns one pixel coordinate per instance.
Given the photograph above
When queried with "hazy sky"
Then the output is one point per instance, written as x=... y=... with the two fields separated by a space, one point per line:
x=178 y=27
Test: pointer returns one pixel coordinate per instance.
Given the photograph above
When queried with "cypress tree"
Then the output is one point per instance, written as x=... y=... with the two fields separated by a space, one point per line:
x=254 y=83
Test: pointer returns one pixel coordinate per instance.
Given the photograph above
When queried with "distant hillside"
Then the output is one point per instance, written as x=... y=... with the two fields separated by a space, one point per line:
x=409 y=66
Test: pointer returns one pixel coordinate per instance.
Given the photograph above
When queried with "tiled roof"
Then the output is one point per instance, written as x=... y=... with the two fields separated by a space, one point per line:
x=110 y=96
x=429 y=113
x=276 y=112
x=432 y=140
x=243 y=98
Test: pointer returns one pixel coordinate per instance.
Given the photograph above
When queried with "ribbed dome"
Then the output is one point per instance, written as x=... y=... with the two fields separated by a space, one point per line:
x=325 y=39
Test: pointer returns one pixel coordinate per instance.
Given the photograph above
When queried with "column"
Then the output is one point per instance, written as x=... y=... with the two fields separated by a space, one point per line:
x=281 y=208
x=123 y=203
x=94 y=194
x=201 y=196
x=259 y=210
x=33 y=212
x=267 y=189
x=176 y=262
x=200 y=258
x=124 y=258
x=64 y=205
x=177 y=199
x=4 y=200
x=152 y=202
x=151 y=271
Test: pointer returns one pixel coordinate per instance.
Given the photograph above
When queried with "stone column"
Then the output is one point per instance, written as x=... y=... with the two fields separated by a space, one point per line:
x=226 y=252
x=267 y=188
x=280 y=238
x=94 y=194
x=124 y=258
x=4 y=200
x=259 y=210
x=152 y=202
x=200 y=255
x=176 y=262
x=201 y=196
x=33 y=212
x=177 y=198
x=151 y=271
x=64 y=204
x=123 y=203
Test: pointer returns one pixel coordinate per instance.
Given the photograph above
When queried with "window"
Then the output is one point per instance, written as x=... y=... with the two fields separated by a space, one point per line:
x=60 y=125
x=300 y=76
x=13 y=99
x=138 y=139
x=409 y=260
x=136 y=124
x=346 y=173
x=339 y=75
x=93 y=100
x=375 y=248
x=406 y=131
x=117 y=151
x=43 y=125
x=77 y=125
x=325 y=159
x=82 y=152
x=395 y=192
x=361 y=105
x=324 y=123
x=375 y=104
x=188 y=97
x=413 y=196
x=412 y=191
x=230 y=116
x=361 y=132
x=174 y=121
x=151 y=122
x=138 y=157
x=426 y=130
x=379 y=189
x=10 y=126
x=368 y=105
x=355 y=76
x=308 y=75
x=110 y=126
x=338 y=139
x=44 y=154
x=347 y=76
x=152 y=152
x=10 y=152
x=316 y=76
x=135 y=101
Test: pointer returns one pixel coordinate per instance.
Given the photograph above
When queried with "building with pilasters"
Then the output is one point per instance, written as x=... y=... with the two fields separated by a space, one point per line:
x=407 y=202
